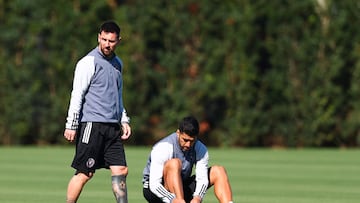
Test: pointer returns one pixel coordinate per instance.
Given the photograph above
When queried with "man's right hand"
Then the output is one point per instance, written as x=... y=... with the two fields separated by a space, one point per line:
x=196 y=199
x=178 y=200
x=70 y=135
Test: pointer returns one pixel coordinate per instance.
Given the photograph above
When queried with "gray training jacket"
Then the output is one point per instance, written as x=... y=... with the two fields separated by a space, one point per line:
x=97 y=91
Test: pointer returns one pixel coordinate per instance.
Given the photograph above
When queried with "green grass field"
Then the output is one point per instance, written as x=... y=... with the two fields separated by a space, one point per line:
x=41 y=174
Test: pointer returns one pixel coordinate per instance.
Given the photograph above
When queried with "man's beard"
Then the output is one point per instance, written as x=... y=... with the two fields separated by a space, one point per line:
x=106 y=51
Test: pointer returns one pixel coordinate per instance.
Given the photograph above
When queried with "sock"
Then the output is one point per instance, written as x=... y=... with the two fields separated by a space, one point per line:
x=119 y=188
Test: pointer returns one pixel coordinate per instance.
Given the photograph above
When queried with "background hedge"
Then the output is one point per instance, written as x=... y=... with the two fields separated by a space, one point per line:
x=255 y=73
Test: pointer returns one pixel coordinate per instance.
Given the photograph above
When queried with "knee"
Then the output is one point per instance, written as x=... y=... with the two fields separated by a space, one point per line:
x=173 y=164
x=218 y=172
x=124 y=171
x=84 y=177
x=119 y=170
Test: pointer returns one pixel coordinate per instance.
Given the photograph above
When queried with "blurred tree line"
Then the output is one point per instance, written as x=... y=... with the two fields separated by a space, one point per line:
x=255 y=73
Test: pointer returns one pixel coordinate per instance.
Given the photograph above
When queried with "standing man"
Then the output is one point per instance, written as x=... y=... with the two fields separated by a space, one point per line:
x=167 y=174
x=97 y=119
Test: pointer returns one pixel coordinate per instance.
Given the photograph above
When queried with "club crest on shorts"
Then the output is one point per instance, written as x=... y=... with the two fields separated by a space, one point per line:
x=90 y=162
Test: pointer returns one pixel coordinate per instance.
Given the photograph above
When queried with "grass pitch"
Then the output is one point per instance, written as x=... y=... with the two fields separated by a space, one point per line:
x=41 y=174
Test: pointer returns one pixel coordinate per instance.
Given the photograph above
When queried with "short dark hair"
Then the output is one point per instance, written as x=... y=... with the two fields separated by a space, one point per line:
x=110 y=26
x=189 y=125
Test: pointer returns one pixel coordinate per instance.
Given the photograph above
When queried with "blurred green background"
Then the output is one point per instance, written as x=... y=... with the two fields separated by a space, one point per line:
x=280 y=73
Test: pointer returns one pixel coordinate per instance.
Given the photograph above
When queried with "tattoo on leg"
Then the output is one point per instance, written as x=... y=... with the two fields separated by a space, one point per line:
x=119 y=188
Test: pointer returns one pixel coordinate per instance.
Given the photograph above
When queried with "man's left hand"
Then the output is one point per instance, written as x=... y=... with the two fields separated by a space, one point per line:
x=126 y=131
x=196 y=199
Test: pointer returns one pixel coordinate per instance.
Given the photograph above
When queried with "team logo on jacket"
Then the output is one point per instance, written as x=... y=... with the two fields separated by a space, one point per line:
x=90 y=162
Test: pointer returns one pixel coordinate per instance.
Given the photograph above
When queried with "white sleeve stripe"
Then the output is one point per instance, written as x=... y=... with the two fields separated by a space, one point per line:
x=203 y=190
x=166 y=194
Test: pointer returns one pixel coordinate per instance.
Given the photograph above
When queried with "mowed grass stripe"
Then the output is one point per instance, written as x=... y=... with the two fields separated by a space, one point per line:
x=41 y=174
x=310 y=175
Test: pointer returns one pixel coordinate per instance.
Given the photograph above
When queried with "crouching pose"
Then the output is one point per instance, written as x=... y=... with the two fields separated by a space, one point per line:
x=167 y=176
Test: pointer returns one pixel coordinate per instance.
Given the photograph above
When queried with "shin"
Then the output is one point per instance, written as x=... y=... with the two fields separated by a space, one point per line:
x=119 y=188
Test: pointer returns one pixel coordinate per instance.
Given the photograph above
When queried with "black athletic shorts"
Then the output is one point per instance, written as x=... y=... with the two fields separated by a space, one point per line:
x=189 y=186
x=98 y=145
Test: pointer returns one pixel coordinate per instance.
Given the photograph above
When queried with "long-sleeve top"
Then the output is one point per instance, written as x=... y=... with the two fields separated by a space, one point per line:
x=97 y=91
x=169 y=148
